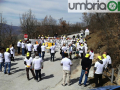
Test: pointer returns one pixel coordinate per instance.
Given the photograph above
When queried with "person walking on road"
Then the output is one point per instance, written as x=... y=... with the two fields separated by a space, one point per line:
x=98 y=70
x=38 y=65
x=1 y=59
x=28 y=64
x=18 y=46
x=70 y=51
x=35 y=47
x=64 y=49
x=23 y=48
x=52 y=49
x=7 y=61
x=29 y=47
x=86 y=64
x=43 y=48
x=12 y=52
x=39 y=50
x=66 y=63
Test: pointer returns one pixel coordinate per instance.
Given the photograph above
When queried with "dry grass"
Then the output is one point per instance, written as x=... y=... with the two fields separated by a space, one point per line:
x=94 y=40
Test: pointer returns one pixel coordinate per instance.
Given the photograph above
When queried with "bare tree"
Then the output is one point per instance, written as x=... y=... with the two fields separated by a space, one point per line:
x=28 y=23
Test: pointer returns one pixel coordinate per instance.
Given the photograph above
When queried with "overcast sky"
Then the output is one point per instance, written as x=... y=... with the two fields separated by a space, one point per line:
x=12 y=9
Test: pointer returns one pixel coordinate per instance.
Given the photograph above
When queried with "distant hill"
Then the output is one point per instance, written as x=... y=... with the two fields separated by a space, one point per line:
x=16 y=29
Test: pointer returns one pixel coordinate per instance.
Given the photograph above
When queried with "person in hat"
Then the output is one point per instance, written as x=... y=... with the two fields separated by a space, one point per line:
x=28 y=64
x=7 y=61
x=86 y=64
x=43 y=48
x=109 y=61
x=104 y=59
x=19 y=45
x=29 y=47
x=66 y=63
x=98 y=70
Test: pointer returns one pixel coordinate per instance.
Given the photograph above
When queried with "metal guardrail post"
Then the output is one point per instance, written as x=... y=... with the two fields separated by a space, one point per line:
x=112 y=76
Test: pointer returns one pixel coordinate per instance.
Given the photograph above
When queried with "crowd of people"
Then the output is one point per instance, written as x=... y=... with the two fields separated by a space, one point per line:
x=68 y=47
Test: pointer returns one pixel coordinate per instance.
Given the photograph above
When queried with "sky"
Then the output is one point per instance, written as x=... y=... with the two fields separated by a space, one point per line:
x=12 y=10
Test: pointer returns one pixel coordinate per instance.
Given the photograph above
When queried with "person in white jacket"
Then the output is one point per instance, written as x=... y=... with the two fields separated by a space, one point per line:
x=52 y=49
x=37 y=65
x=19 y=45
x=87 y=32
x=43 y=48
x=23 y=48
x=91 y=53
x=7 y=61
x=12 y=52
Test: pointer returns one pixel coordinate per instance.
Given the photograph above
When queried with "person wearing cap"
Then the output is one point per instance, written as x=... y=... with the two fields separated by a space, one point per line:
x=19 y=45
x=28 y=64
x=52 y=50
x=98 y=70
x=66 y=63
x=7 y=57
x=86 y=64
x=29 y=47
x=109 y=61
x=104 y=59
x=43 y=48
x=39 y=37
x=37 y=65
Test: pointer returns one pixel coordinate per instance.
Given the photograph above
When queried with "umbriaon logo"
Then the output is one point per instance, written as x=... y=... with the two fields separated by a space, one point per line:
x=96 y=6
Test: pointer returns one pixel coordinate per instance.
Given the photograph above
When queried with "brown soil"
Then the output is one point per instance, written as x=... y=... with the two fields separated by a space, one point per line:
x=94 y=41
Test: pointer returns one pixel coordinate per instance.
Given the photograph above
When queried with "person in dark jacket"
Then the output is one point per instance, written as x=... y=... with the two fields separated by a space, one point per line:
x=86 y=64
x=39 y=50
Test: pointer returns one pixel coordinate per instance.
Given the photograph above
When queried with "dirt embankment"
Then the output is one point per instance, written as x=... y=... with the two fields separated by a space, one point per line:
x=98 y=43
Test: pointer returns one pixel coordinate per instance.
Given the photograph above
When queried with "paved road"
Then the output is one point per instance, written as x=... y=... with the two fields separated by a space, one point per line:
x=51 y=74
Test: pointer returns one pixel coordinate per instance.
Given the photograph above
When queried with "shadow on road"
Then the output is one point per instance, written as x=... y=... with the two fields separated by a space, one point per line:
x=73 y=81
x=18 y=70
x=58 y=59
x=17 y=59
x=48 y=77
x=14 y=68
x=12 y=64
x=47 y=59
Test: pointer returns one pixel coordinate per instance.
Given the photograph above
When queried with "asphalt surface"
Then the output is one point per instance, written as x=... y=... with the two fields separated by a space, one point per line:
x=51 y=76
